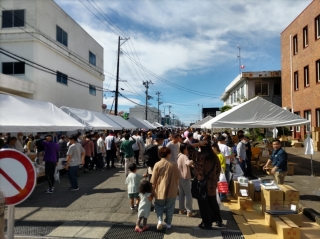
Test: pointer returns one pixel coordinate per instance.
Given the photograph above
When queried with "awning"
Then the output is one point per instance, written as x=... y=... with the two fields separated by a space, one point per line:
x=201 y=122
x=139 y=123
x=96 y=120
x=151 y=125
x=19 y=114
x=255 y=113
x=156 y=124
x=121 y=121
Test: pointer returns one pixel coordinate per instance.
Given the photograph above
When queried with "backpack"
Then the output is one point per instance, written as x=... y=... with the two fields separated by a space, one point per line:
x=151 y=155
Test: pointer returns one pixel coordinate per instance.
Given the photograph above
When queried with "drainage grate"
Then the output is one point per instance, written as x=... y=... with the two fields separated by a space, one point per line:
x=35 y=228
x=119 y=231
x=232 y=235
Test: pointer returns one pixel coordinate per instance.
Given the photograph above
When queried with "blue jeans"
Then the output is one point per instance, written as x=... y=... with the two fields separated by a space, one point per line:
x=223 y=196
x=167 y=206
x=73 y=176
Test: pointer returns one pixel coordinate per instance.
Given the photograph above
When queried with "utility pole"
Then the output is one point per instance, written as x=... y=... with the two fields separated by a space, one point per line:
x=159 y=103
x=169 y=114
x=239 y=57
x=148 y=97
x=173 y=119
x=117 y=79
x=164 y=115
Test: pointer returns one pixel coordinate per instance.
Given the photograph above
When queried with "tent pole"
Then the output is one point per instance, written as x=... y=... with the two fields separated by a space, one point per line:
x=312 y=175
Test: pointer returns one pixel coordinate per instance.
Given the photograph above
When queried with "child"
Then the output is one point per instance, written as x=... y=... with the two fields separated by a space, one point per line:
x=146 y=196
x=133 y=181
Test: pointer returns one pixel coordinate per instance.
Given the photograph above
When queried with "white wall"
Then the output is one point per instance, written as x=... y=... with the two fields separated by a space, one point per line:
x=72 y=61
x=139 y=113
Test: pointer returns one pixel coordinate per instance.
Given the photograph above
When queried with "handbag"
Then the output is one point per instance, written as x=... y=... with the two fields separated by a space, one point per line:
x=199 y=187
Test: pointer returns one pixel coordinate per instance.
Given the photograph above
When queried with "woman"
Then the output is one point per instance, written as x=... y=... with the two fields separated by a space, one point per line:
x=31 y=144
x=165 y=180
x=149 y=139
x=207 y=165
x=222 y=160
x=184 y=165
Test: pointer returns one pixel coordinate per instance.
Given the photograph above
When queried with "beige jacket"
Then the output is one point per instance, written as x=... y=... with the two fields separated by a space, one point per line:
x=165 y=179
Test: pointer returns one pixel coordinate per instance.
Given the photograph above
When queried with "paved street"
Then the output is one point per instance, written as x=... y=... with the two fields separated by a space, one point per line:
x=100 y=204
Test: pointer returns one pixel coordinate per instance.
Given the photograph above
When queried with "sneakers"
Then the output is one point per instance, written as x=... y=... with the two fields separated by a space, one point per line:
x=181 y=212
x=132 y=208
x=168 y=226
x=73 y=189
x=192 y=214
x=159 y=227
x=50 y=190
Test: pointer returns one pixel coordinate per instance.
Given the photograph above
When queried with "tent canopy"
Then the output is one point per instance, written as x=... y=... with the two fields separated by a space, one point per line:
x=151 y=125
x=96 y=120
x=24 y=115
x=156 y=124
x=201 y=122
x=255 y=113
x=121 y=121
x=139 y=123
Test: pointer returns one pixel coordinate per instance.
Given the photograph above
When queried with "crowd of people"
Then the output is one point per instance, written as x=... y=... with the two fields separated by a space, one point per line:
x=173 y=158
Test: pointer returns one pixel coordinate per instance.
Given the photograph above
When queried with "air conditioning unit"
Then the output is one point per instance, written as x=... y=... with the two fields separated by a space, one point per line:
x=286 y=108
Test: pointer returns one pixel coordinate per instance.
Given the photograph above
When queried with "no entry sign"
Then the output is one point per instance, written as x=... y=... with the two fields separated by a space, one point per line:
x=17 y=176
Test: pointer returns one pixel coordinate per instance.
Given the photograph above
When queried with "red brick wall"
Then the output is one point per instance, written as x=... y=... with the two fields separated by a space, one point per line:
x=305 y=98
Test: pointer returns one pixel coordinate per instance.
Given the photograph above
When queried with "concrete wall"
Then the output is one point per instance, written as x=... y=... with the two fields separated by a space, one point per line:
x=306 y=98
x=72 y=60
x=139 y=113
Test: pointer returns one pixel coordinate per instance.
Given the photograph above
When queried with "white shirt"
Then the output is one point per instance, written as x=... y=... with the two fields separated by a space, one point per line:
x=225 y=152
x=19 y=146
x=135 y=146
x=101 y=146
x=109 y=140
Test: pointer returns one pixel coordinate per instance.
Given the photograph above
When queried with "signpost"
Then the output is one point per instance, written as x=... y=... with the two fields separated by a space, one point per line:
x=17 y=181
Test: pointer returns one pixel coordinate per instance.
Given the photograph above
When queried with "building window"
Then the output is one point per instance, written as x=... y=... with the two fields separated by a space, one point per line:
x=295 y=45
x=234 y=97
x=13 y=68
x=62 y=78
x=92 y=90
x=318 y=71
x=62 y=36
x=305 y=37
x=307 y=115
x=92 y=58
x=297 y=127
x=13 y=18
x=318 y=117
x=296 y=80
x=242 y=91
x=306 y=76
x=277 y=88
x=317 y=24
x=261 y=88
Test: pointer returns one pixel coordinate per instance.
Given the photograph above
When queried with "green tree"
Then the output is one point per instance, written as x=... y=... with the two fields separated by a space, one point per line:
x=225 y=108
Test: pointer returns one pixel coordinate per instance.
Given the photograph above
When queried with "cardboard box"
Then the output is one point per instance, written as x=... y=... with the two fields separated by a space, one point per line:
x=272 y=205
x=285 y=228
x=244 y=203
x=296 y=218
x=290 y=194
x=236 y=189
x=290 y=169
x=316 y=136
x=315 y=129
x=271 y=195
x=257 y=196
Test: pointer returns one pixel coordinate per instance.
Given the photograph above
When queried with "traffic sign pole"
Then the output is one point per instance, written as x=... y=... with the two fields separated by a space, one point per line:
x=10 y=225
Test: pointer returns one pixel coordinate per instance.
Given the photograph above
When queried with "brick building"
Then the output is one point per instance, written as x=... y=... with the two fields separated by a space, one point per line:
x=300 y=52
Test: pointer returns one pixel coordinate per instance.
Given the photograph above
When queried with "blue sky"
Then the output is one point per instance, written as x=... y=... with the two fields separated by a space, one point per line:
x=189 y=43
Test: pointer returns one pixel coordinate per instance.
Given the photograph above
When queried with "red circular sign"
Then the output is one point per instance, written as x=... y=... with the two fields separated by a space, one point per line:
x=17 y=171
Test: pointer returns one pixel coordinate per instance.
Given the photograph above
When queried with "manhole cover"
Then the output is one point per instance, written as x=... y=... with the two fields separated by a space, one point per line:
x=232 y=235
x=35 y=228
x=119 y=231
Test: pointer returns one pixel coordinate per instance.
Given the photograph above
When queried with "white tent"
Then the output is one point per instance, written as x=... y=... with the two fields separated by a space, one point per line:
x=156 y=124
x=151 y=125
x=96 y=120
x=255 y=113
x=121 y=121
x=201 y=122
x=139 y=123
x=24 y=115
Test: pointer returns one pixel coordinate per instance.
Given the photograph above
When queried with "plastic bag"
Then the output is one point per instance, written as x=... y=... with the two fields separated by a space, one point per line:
x=218 y=197
x=238 y=171
x=57 y=175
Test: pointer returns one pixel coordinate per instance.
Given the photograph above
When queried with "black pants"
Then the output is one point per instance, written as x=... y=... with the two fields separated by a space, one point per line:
x=249 y=168
x=99 y=161
x=209 y=210
x=87 y=161
x=93 y=162
x=50 y=168
x=136 y=156
x=110 y=158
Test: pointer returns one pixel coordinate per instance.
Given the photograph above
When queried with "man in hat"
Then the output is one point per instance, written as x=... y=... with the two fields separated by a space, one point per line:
x=51 y=151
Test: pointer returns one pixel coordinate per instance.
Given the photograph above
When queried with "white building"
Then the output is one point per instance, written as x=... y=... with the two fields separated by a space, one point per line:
x=139 y=113
x=247 y=85
x=40 y=31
